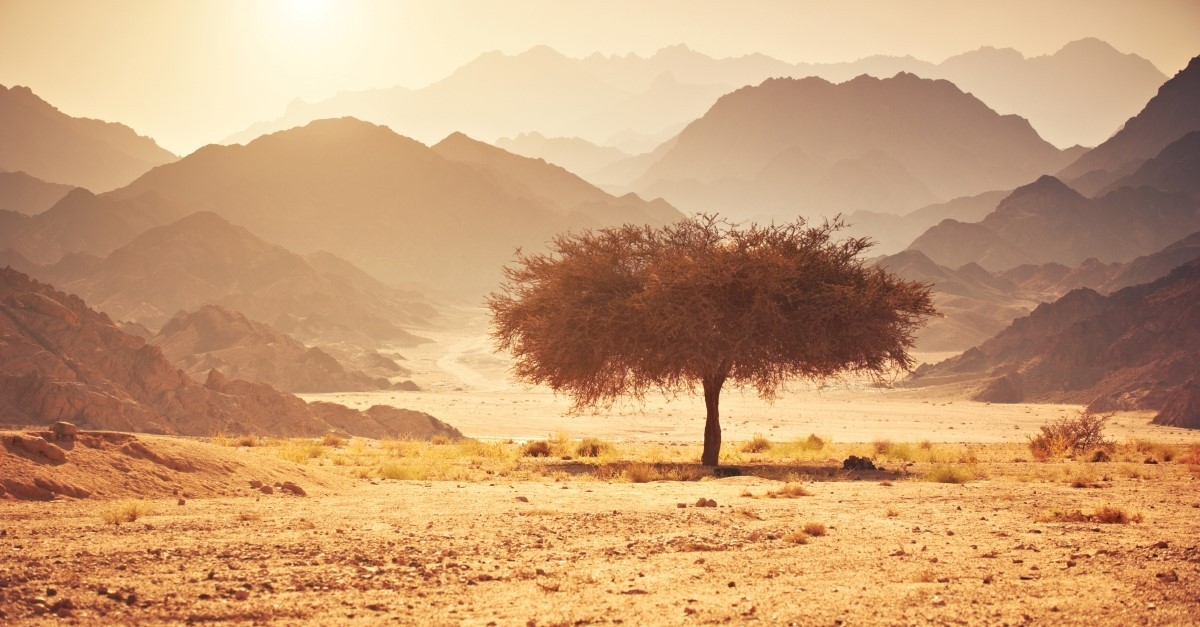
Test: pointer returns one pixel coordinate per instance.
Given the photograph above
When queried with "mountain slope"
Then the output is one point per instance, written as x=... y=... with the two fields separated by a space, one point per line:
x=572 y=153
x=80 y=222
x=1172 y=113
x=389 y=204
x=203 y=259
x=1048 y=222
x=1134 y=349
x=60 y=360
x=48 y=144
x=817 y=148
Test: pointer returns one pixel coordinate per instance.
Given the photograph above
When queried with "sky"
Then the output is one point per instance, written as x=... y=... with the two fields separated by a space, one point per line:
x=193 y=72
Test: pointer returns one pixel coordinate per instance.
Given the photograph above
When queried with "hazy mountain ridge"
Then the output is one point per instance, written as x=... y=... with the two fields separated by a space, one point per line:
x=42 y=141
x=22 y=193
x=599 y=96
x=816 y=148
x=81 y=223
x=389 y=204
x=1172 y=113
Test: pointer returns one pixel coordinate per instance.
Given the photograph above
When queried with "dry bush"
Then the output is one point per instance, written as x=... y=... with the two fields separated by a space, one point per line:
x=249 y=516
x=882 y=446
x=439 y=440
x=1153 y=450
x=536 y=448
x=593 y=447
x=789 y=491
x=814 y=528
x=127 y=510
x=814 y=443
x=757 y=444
x=300 y=451
x=1070 y=436
x=641 y=473
x=247 y=441
x=1192 y=456
x=1107 y=515
x=891 y=513
x=332 y=439
x=749 y=513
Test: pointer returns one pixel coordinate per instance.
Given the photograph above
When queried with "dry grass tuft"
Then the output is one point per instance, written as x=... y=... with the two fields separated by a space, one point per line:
x=249 y=516
x=814 y=529
x=789 y=491
x=537 y=448
x=949 y=474
x=796 y=537
x=641 y=473
x=593 y=447
x=128 y=510
x=758 y=444
x=891 y=513
x=332 y=439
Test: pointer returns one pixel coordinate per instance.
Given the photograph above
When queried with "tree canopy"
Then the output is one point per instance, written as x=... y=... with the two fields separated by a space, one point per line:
x=630 y=310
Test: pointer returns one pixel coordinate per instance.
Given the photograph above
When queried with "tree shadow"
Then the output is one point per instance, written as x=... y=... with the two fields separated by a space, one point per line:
x=640 y=472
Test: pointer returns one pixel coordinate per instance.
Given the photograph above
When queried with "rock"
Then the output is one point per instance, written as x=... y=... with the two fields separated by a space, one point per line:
x=64 y=431
x=266 y=489
x=681 y=505
x=256 y=484
x=703 y=502
x=855 y=462
x=1169 y=576
x=1101 y=456
x=1004 y=389
x=35 y=447
x=288 y=486
x=522 y=499
x=181 y=502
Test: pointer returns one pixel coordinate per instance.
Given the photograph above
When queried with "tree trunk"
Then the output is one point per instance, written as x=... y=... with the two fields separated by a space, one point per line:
x=712 y=424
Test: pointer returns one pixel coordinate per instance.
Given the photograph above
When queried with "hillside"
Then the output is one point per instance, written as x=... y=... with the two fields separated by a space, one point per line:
x=391 y=205
x=48 y=144
x=80 y=222
x=204 y=260
x=213 y=337
x=819 y=148
x=1135 y=349
x=1172 y=113
x=61 y=360
x=571 y=153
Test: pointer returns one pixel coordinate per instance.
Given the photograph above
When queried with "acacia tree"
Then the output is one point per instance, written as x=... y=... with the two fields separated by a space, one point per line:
x=626 y=311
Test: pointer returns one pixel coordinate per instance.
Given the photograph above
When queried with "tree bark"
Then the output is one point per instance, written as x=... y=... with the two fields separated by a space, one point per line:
x=712 y=424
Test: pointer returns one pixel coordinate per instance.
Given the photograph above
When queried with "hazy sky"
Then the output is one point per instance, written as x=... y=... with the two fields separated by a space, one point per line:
x=193 y=72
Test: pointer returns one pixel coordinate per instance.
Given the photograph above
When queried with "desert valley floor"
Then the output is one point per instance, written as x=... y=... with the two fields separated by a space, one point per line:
x=629 y=538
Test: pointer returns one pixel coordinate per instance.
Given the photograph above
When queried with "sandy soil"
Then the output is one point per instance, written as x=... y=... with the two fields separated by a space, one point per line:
x=583 y=552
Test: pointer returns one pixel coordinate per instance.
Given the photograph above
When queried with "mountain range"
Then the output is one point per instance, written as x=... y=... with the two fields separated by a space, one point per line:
x=600 y=98
x=22 y=193
x=38 y=139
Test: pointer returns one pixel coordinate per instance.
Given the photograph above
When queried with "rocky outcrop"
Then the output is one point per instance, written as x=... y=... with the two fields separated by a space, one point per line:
x=62 y=361
x=383 y=420
x=214 y=337
x=1181 y=407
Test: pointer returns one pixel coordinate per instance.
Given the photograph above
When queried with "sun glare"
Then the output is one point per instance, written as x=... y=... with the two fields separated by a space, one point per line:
x=307 y=10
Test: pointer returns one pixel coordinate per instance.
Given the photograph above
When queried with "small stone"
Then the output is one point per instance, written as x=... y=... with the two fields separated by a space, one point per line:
x=181 y=502
x=522 y=499
x=256 y=484
x=266 y=489
x=938 y=601
x=241 y=595
x=288 y=486
x=681 y=505
x=1169 y=576
x=987 y=579
x=732 y=584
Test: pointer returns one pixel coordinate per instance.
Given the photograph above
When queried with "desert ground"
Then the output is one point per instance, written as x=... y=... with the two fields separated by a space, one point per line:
x=960 y=525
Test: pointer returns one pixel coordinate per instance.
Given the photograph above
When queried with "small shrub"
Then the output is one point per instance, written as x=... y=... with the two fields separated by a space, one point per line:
x=246 y=441
x=749 y=513
x=925 y=445
x=403 y=472
x=249 y=516
x=882 y=446
x=891 y=513
x=592 y=447
x=1070 y=436
x=125 y=511
x=537 y=448
x=813 y=442
x=814 y=529
x=758 y=444
x=439 y=440
x=332 y=439
x=1192 y=456
x=789 y=491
